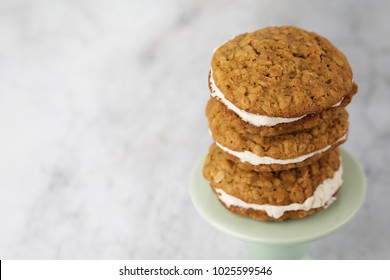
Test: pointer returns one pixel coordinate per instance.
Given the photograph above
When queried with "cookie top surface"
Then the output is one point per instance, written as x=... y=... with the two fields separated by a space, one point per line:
x=281 y=72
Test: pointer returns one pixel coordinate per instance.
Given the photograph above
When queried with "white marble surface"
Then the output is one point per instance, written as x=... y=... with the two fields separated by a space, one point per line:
x=102 y=117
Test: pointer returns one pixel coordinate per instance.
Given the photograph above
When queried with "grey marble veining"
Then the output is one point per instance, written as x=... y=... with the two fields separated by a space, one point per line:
x=102 y=117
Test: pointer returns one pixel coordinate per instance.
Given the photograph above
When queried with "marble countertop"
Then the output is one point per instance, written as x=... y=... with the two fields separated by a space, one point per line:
x=102 y=118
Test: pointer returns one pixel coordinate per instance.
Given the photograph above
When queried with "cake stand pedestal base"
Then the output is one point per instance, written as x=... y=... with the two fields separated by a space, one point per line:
x=262 y=251
x=289 y=239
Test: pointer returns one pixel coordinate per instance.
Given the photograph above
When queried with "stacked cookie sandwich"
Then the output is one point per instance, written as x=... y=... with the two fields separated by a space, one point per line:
x=277 y=115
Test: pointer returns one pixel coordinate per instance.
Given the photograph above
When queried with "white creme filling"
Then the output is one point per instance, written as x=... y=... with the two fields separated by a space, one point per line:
x=322 y=197
x=254 y=159
x=254 y=119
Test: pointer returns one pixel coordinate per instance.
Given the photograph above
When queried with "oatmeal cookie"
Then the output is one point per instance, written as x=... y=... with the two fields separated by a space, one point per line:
x=251 y=147
x=274 y=196
x=281 y=71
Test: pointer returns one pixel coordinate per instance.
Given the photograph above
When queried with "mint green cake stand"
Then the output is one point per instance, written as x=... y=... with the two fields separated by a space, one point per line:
x=282 y=240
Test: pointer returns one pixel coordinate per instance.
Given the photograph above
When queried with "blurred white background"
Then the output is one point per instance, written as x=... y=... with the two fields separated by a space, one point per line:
x=102 y=117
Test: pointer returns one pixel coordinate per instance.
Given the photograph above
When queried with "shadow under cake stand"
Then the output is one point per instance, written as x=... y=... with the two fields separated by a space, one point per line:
x=289 y=239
